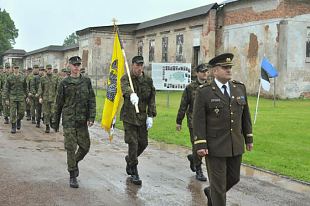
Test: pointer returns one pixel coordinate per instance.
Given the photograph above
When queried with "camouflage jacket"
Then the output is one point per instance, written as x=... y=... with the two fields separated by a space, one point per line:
x=187 y=103
x=48 y=88
x=76 y=102
x=34 y=84
x=3 y=78
x=15 y=88
x=145 y=90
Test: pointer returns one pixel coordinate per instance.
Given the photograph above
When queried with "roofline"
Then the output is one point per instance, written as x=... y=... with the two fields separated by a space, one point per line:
x=105 y=28
x=55 y=48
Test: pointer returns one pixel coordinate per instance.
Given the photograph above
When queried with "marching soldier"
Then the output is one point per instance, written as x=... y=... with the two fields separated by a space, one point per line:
x=186 y=106
x=136 y=125
x=47 y=93
x=222 y=126
x=34 y=93
x=28 y=103
x=1 y=86
x=15 y=91
x=6 y=107
x=32 y=81
x=76 y=103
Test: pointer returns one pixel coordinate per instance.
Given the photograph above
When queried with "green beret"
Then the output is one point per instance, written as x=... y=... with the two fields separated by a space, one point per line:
x=75 y=60
x=7 y=65
x=49 y=66
x=35 y=66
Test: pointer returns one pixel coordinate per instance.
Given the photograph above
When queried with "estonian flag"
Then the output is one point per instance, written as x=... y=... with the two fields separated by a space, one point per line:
x=267 y=71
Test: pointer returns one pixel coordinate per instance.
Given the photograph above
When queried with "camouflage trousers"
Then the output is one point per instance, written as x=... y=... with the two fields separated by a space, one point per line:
x=28 y=106
x=47 y=108
x=196 y=158
x=137 y=139
x=76 y=137
x=6 y=108
x=1 y=107
x=35 y=108
x=17 y=110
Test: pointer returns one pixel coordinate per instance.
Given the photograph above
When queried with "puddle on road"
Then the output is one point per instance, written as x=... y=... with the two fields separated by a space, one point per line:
x=275 y=179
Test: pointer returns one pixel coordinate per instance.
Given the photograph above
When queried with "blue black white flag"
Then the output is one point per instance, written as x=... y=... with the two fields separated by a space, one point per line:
x=267 y=71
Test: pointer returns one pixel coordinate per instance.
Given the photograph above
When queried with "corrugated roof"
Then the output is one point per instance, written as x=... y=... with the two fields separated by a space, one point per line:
x=55 y=48
x=124 y=28
x=177 y=16
x=15 y=51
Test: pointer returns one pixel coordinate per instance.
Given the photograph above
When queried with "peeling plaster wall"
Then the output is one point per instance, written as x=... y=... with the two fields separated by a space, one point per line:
x=277 y=29
x=297 y=80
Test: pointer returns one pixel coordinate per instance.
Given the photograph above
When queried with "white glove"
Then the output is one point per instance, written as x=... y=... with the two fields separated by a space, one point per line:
x=134 y=98
x=149 y=123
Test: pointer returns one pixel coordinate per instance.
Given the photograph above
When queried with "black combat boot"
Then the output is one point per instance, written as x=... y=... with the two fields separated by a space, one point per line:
x=33 y=120
x=6 y=120
x=13 y=130
x=128 y=168
x=38 y=124
x=18 y=124
x=28 y=115
x=199 y=174
x=73 y=181
x=135 y=176
x=191 y=162
x=47 y=129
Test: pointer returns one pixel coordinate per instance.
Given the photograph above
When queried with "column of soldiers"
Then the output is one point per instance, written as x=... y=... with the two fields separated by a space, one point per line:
x=32 y=92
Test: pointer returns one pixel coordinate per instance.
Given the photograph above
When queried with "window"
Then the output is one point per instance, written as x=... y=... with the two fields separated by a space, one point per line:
x=179 y=47
x=164 y=49
x=140 y=48
x=308 y=45
x=151 y=50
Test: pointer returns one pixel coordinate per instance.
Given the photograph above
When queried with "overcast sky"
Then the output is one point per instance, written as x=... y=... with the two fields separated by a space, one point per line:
x=48 y=22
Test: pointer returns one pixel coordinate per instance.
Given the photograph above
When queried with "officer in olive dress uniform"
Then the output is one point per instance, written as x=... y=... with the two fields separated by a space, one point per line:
x=222 y=128
x=186 y=107
x=136 y=125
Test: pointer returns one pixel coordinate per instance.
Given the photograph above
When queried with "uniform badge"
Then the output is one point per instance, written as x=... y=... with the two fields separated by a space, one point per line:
x=215 y=100
x=216 y=110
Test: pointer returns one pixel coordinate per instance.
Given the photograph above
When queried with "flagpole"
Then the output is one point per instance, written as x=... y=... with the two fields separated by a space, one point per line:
x=255 y=115
x=126 y=64
x=274 y=92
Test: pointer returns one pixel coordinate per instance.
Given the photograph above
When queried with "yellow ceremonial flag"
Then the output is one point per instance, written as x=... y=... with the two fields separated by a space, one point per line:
x=114 y=92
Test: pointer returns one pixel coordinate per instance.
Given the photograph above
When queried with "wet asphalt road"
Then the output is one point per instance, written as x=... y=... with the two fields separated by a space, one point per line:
x=33 y=172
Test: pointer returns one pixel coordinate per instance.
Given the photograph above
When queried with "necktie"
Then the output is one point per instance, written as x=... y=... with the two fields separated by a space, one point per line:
x=225 y=91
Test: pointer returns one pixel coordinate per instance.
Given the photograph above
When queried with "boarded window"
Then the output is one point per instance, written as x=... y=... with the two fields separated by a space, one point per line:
x=179 y=47
x=140 y=48
x=152 y=50
x=164 y=49
x=85 y=59
x=308 y=45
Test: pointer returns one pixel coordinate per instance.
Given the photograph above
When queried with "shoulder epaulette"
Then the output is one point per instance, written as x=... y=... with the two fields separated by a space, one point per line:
x=237 y=82
x=205 y=84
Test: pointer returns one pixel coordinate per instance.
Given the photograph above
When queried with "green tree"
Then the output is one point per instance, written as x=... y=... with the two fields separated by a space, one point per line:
x=8 y=32
x=71 y=40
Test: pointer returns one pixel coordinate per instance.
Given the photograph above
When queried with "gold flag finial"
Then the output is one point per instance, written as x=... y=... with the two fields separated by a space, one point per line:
x=114 y=21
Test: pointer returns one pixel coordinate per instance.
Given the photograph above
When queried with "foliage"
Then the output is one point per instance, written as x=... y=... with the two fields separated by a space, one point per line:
x=71 y=40
x=8 y=32
x=281 y=133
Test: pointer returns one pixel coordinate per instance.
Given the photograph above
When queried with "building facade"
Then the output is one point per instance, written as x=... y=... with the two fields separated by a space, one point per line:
x=251 y=29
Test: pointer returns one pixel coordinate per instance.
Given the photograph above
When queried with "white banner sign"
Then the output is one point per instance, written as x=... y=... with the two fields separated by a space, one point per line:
x=171 y=76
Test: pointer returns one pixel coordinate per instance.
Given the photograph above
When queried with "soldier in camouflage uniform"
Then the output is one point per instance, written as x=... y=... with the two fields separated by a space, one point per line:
x=31 y=98
x=76 y=102
x=15 y=91
x=34 y=93
x=186 y=107
x=136 y=125
x=1 y=86
x=6 y=107
x=28 y=104
x=47 y=93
